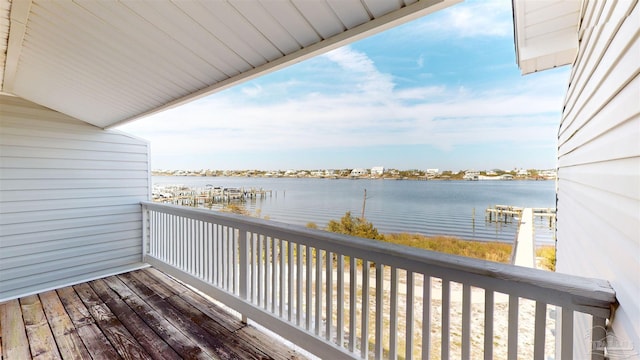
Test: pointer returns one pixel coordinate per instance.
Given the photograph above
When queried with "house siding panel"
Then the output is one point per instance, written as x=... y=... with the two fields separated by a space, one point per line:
x=598 y=227
x=69 y=199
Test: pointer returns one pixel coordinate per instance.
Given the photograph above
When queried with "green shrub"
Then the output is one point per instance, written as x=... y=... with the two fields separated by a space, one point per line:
x=350 y=225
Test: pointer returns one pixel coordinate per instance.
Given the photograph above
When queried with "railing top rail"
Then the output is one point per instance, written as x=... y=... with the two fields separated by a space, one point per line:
x=588 y=295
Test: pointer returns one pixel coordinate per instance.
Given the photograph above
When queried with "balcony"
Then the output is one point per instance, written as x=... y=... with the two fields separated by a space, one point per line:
x=309 y=287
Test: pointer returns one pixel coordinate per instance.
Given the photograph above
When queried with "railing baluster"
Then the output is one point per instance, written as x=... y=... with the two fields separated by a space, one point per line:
x=340 y=300
x=223 y=256
x=488 y=324
x=567 y=334
x=202 y=250
x=318 y=297
x=234 y=260
x=290 y=280
x=210 y=252
x=379 y=315
x=393 y=315
x=230 y=259
x=282 y=275
x=353 y=286
x=254 y=268
x=364 y=330
x=299 y=274
x=446 y=304
x=217 y=255
x=426 y=317
x=309 y=279
x=269 y=274
x=179 y=244
x=243 y=243
x=539 y=332
x=409 y=318
x=466 y=321
x=261 y=271
x=188 y=246
x=274 y=275
x=512 y=342
x=329 y=295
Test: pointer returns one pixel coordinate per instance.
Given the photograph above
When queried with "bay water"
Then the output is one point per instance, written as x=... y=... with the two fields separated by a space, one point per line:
x=455 y=208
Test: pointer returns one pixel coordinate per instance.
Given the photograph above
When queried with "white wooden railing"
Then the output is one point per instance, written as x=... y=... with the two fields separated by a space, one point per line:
x=309 y=286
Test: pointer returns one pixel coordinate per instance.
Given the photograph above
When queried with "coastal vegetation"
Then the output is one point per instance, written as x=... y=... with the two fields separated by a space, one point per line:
x=355 y=226
x=491 y=251
x=547 y=256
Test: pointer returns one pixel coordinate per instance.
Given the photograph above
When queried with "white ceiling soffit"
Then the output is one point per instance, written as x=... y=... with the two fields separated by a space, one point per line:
x=546 y=33
x=108 y=62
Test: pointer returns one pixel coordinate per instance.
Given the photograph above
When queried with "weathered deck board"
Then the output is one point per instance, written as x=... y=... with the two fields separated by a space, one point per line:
x=92 y=337
x=41 y=341
x=202 y=310
x=140 y=315
x=14 y=335
x=124 y=343
x=69 y=343
x=181 y=343
x=148 y=339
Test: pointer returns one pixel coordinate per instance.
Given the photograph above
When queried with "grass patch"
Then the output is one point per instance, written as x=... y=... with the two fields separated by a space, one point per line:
x=491 y=251
x=547 y=255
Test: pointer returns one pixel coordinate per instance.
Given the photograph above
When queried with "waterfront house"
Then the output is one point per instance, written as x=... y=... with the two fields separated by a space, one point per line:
x=471 y=175
x=358 y=172
x=377 y=171
x=74 y=193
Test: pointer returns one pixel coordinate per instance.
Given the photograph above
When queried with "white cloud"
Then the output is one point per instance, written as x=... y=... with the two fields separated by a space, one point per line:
x=252 y=90
x=469 y=19
x=360 y=68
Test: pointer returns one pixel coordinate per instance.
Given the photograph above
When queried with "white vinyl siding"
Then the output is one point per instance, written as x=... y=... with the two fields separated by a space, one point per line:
x=69 y=199
x=599 y=161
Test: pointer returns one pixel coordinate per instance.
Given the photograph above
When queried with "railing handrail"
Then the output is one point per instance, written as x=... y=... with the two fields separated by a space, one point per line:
x=588 y=295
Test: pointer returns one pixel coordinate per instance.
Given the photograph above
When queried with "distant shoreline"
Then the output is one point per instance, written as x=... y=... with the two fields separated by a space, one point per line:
x=406 y=178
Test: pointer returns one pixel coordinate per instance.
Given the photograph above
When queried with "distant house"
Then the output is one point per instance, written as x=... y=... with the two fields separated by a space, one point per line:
x=377 y=170
x=471 y=175
x=357 y=172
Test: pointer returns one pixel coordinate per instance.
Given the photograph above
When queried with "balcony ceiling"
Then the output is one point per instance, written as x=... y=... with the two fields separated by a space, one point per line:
x=108 y=62
x=546 y=33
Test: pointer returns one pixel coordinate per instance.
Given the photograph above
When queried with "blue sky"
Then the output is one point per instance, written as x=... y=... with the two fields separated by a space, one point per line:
x=443 y=91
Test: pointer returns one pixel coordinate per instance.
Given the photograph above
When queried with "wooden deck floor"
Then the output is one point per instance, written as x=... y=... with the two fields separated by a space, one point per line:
x=139 y=315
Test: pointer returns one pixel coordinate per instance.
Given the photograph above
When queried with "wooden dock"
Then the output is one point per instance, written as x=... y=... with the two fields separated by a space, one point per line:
x=185 y=196
x=509 y=214
x=144 y=314
x=524 y=253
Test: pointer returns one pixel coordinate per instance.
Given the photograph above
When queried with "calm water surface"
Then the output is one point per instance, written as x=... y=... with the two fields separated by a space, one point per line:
x=424 y=207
